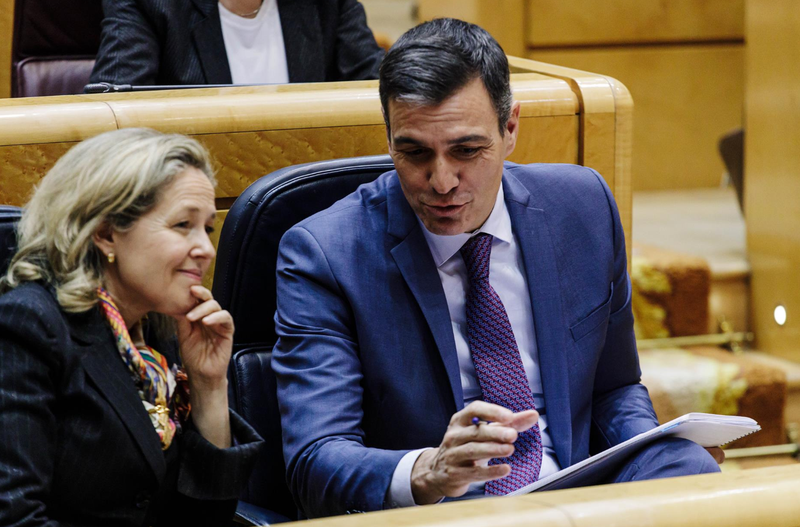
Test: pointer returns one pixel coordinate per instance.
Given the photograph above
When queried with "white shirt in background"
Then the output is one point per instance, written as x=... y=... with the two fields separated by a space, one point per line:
x=255 y=49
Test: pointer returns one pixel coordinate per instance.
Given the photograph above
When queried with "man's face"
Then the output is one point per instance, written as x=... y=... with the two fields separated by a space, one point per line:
x=449 y=157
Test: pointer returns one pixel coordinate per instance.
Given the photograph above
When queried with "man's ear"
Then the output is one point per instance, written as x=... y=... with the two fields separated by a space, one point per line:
x=103 y=239
x=512 y=129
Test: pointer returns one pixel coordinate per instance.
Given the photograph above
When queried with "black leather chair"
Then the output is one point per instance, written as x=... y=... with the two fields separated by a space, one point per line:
x=9 y=217
x=244 y=284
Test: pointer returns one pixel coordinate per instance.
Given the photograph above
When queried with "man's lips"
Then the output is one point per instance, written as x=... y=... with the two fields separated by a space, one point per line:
x=444 y=210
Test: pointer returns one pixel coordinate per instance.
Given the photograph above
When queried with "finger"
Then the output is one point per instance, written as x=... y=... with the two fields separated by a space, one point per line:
x=219 y=322
x=524 y=420
x=491 y=472
x=203 y=310
x=483 y=411
x=493 y=432
x=201 y=293
x=459 y=479
x=461 y=476
x=471 y=453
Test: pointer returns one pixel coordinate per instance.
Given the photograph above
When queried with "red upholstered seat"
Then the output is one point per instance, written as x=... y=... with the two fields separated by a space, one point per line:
x=54 y=45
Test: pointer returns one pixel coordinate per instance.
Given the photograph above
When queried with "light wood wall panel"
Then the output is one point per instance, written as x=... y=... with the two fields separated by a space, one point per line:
x=772 y=171
x=589 y=22
x=749 y=498
x=686 y=98
x=6 y=39
x=503 y=19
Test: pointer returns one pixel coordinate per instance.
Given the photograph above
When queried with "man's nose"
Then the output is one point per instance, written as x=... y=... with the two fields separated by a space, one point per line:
x=444 y=176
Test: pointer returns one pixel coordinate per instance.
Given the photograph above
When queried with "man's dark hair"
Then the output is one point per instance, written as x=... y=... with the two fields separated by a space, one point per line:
x=432 y=61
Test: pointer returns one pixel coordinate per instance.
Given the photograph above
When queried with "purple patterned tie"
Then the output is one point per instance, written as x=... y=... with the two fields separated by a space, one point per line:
x=498 y=365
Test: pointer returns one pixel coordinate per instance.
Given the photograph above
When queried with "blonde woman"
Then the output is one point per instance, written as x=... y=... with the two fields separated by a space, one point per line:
x=113 y=356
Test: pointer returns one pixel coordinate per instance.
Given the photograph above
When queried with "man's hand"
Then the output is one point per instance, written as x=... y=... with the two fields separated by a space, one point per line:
x=466 y=449
x=717 y=453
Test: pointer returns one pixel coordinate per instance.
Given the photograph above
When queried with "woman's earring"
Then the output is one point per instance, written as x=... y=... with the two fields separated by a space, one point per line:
x=111 y=257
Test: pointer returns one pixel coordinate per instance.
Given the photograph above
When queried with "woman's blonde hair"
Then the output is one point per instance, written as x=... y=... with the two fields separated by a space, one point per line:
x=111 y=179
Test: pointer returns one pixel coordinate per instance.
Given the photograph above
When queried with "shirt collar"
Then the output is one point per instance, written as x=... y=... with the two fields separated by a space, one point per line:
x=498 y=224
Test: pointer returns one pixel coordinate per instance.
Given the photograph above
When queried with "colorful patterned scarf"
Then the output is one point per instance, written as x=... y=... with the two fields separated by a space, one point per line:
x=163 y=391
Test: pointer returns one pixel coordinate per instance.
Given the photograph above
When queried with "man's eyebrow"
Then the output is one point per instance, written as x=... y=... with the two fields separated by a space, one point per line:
x=473 y=138
x=405 y=140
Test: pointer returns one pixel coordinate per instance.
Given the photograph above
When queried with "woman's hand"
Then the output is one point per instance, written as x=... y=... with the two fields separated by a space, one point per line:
x=205 y=336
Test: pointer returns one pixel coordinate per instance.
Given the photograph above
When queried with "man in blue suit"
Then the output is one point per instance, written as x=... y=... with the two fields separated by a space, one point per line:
x=461 y=326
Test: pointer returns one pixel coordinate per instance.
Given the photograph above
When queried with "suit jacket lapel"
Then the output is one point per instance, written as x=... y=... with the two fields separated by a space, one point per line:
x=536 y=243
x=207 y=38
x=302 y=39
x=413 y=257
x=104 y=366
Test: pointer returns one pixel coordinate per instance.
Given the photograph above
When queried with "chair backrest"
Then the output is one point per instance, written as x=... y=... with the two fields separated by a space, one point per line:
x=244 y=277
x=54 y=45
x=244 y=284
x=9 y=217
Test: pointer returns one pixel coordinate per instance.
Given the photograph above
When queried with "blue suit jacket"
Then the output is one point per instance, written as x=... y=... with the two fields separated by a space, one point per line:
x=366 y=359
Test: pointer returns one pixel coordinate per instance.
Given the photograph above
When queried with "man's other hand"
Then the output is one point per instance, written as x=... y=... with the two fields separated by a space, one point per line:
x=466 y=449
x=717 y=453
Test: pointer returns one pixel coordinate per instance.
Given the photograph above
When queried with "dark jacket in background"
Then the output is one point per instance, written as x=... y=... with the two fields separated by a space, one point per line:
x=158 y=42
x=76 y=444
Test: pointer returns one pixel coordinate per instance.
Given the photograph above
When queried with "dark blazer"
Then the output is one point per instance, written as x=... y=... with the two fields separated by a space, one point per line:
x=366 y=361
x=76 y=444
x=157 y=42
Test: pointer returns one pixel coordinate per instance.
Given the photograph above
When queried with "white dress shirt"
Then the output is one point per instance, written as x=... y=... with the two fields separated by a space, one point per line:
x=255 y=49
x=507 y=277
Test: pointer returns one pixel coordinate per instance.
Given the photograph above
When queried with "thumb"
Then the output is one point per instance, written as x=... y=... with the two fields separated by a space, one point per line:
x=525 y=420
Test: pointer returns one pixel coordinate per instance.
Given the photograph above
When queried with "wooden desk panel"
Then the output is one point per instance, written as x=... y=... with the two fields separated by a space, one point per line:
x=752 y=498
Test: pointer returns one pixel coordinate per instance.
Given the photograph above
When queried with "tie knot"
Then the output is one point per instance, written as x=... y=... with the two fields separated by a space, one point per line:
x=476 y=253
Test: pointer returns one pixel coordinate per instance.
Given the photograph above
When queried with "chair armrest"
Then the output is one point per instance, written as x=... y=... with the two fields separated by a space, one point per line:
x=248 y=514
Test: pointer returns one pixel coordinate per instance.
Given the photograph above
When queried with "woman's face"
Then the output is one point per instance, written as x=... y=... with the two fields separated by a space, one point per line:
x=165 y=252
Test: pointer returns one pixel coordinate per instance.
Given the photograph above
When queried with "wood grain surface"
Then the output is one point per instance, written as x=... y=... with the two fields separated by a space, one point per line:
x=6 y=40
x=503 y=19
x=772 y=172
x=556 y=23
x=752 y=498
x=686 y=98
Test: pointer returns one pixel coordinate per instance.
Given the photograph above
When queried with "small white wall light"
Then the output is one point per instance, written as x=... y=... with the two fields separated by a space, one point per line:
x=780 y=315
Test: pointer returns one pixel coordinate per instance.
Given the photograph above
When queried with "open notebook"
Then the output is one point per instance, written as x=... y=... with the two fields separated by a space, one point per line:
x=707 y=430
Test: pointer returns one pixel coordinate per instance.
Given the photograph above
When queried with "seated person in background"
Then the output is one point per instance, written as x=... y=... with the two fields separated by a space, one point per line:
x=453 y=289
x=165 y=42
x=101 y=305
